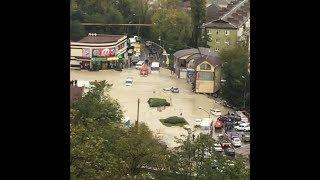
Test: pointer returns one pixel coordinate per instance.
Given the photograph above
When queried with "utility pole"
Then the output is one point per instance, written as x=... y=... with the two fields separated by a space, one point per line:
x=138 y=112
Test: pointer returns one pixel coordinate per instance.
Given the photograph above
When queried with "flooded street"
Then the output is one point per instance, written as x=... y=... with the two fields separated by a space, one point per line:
x=185 y=102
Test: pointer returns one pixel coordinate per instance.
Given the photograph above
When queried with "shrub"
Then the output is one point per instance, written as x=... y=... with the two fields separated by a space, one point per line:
x=157 y=102
x=174 y=121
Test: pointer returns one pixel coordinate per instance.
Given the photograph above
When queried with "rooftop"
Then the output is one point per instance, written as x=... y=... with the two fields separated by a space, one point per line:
x=233 y=16
x=101 y=38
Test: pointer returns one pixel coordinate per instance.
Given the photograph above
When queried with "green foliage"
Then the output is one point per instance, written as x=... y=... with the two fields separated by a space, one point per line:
x=198 y=15
x=96 y=105
x=174 y=28
x=174 y=121
x=76 y=30
x=235 y=66
x=158 y=102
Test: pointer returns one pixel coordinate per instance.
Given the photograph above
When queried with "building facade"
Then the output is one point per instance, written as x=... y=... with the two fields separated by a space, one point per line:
x=100 y=51
x=226 y=25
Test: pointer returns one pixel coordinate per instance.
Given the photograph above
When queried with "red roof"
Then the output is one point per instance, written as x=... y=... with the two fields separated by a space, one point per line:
x=101 y=38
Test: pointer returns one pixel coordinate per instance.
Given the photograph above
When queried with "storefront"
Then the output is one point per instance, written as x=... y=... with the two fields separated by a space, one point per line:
x=101 y=51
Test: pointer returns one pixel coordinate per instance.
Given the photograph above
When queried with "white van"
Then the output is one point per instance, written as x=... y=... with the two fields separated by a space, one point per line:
x=155 y=66
x=139 y=64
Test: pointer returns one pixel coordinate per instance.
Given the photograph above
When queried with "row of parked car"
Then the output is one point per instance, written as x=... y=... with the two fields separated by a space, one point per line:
x=237 y=120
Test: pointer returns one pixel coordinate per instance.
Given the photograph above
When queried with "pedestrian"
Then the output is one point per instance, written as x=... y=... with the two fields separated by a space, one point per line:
x=76 y=83
x=72 y=83
x=193 y=137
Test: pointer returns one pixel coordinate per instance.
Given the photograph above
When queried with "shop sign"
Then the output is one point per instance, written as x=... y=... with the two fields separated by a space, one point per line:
x=104 y=52
x=86 y=52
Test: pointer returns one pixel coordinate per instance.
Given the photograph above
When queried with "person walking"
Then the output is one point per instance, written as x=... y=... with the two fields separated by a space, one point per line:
x=75 y=82
x=193 y=137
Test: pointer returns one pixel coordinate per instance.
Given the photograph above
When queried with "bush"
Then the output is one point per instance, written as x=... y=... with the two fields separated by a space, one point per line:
x=174 y=121
x=157 y=102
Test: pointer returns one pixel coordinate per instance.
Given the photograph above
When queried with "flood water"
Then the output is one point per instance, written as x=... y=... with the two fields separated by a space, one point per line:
x=185 y=102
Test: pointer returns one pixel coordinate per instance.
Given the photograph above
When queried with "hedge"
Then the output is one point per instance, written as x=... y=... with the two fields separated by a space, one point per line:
x=157 y=102
x=174 y=121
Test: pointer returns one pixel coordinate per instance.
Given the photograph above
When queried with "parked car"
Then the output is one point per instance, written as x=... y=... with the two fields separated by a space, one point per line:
x=218 y=124
x=217 y=147
x=230 y=152
x=234 y=135
x=242 y=116
x=139 y=64
x=174 y=90
x=236 y=142
x=215 y=112
x=129 y=82
x=243 y=127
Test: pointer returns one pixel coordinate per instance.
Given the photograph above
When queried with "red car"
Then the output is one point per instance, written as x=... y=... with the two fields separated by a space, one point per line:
x=218 y=124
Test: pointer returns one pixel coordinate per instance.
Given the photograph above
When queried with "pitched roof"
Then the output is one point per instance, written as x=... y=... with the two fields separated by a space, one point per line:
x=199 y=55
x=101 y=38
x=213 y=13
x=220 y=24
x=233 y=16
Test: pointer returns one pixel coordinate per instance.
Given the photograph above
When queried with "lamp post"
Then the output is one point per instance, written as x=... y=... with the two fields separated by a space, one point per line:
x=204 y=110
x=244 y=91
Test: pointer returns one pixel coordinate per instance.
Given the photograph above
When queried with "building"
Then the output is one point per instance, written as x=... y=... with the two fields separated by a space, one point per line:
x=201 y=67
x=102 y=51
x=226 y=25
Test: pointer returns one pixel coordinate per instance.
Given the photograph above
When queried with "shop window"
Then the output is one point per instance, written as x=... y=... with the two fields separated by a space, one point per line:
x=206 y=76
x=205 y=66
x=217 y=49
x=227 y=33
x=217 y=31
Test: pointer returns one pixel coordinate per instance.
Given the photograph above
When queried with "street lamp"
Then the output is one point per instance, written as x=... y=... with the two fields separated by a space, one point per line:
x=244 y=92
x=204 y=110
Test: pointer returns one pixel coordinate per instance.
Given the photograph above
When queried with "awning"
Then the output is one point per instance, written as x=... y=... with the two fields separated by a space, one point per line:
x=99 y=59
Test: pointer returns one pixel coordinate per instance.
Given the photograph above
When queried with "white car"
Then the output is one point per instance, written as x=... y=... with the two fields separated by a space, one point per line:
x=129 y=82
x=217 y=147
x=242 y=116
x=139 y=64
x=216 y=112
x=236 y=142
x=243 y=127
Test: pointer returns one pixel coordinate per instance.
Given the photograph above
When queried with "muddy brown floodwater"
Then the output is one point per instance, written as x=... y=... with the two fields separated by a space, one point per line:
x=185 y=102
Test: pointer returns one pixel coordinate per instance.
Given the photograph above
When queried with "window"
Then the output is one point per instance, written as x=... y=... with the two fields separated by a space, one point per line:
x=205 y=66
x=217 y=40
x=217 y=49
x=227 y=42
x=227 y=33
x=217 y=31
x=206 y=76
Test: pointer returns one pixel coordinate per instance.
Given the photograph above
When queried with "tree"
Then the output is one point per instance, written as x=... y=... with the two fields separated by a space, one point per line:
x=95 y=104
x=76 y=30
x=173 y=26
x=235 y=72
x=198 y=15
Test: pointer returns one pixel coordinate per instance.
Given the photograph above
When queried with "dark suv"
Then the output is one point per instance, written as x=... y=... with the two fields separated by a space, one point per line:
x=230 y=152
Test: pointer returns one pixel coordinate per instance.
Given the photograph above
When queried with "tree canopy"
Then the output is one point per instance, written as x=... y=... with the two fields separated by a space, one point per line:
x=235 y=72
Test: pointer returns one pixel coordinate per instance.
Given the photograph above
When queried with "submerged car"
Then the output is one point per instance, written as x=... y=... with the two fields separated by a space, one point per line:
x=174 y=90
x=236 y=142
x=230 y=152
x=216 y=112
x=243 y=127
x=129 y=82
